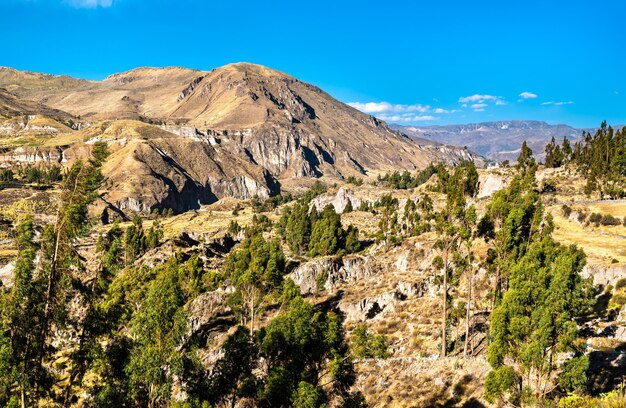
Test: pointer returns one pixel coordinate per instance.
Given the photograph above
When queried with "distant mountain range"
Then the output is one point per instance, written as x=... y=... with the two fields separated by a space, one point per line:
x=495 y=140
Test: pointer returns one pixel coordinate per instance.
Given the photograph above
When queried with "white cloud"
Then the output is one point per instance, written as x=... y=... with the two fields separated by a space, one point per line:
x=407 y=118
x=478 y=102
x=528 y=95
x=479 y=107
x=478 y=98
x=89 y=3
x=558 y=103
x=386 y=107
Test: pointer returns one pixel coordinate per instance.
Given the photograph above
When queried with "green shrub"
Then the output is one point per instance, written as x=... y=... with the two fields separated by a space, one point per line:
x=366 y=345
x=354 y=180
x=573 y=378
x=608 y=219
x=595 y=218
x=500 y=382
x=567 y=210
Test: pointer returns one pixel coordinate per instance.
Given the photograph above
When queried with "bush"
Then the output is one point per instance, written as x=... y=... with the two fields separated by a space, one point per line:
x=574 y=374
x=499 y=382
x=6 y=175
x=567 y=210
x=595 y=218
x=354 y=180
x=608 y=219
x=366 y=345
x=549 y=186
x=581 y=217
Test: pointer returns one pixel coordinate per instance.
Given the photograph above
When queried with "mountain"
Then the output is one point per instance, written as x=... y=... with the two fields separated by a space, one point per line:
x=495 y=140
x=181 y=138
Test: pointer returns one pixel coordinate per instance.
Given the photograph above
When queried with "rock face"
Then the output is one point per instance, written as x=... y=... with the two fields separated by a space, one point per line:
x=208 y=315
x=339 y=201
x=489 y=184
x=604 y=275
x=330 y=273
x=47 y=155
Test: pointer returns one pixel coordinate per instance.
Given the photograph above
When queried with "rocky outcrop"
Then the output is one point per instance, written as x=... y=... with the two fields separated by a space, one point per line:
x=604 y=275
x=208 y=314
x=377 y=306
x=47 y=155
x=489 y=183
x=330 y=273
x=339 y=201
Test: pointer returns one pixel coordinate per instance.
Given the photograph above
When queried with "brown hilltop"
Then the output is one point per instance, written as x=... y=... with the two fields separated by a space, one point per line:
x=232 y=131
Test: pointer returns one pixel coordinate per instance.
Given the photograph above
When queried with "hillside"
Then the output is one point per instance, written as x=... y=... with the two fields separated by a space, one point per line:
x=239 y=131
x=496 y=140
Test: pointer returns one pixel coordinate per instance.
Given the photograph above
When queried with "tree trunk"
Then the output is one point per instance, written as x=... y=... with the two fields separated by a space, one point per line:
x=467 y=312
x=444 y=343
x=252 y=314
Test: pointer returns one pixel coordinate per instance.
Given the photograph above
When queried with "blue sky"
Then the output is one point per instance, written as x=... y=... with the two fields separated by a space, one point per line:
x=411 y=62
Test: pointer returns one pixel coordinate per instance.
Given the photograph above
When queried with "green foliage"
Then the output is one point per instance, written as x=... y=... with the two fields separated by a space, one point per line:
x=602 y=159
x=534 y=321
x=354 y=180
x=6 y=175
x=315 y=190
x=573 y=378
x=388 y=226
x=566 y=210
x=256 y=269
x=304 y=354
x=316 y=234
x=500 y=382
x=307 y=396
x=137 y=241
x=608 y=219
x=327 y=236
x=595 y=218
x=555 y=155
x=37 y=174
x=271 y=203
x=21 y=315
x=158 y=327
x=232 y=374
x=364 y=344
x=404 y=180
x=294 y=344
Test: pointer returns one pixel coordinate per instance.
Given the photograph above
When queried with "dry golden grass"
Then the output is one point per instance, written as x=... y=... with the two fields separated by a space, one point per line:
x=601 y=244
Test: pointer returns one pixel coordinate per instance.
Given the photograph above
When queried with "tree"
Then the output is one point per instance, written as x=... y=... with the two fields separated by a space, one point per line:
x=327 y=236
x=304 y=345
x=468 y=233
x=21 y=317
x=157 y=327
x=256 y=269
x=446 y=244
x=535 y=320
x=234 y=369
